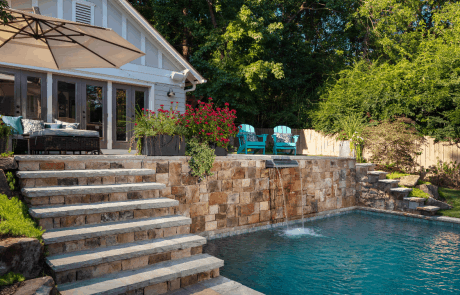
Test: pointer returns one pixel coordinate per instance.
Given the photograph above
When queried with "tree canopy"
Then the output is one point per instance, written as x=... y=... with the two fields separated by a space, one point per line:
x=308 y=63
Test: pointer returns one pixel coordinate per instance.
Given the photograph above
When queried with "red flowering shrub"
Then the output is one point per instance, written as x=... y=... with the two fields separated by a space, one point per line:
x=209 y=124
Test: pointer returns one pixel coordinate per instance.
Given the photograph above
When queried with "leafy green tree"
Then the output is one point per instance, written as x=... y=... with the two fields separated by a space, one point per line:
x=4 y=16
x=416 y=76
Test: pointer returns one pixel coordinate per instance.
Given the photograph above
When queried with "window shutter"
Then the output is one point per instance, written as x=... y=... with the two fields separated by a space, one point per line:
x=83 y=13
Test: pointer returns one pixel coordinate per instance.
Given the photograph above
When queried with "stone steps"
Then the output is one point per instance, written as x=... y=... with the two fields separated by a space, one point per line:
x=90 y=189
x=83 y=265
x=428 y=210
x=60 y=216
x=155 y=279
x=87 y=237
x=30 y=179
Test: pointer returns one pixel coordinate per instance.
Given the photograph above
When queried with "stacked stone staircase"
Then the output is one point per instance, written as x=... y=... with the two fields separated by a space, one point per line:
x=382 y=193
x=108 y=231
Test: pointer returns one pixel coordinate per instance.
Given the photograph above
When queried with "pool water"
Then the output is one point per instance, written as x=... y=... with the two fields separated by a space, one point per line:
x=354 y=253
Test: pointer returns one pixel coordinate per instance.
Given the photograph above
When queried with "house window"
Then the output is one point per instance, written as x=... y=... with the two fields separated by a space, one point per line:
x=83 y=12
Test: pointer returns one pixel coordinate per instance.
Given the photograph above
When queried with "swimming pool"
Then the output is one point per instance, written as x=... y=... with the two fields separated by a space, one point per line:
x=355 y=253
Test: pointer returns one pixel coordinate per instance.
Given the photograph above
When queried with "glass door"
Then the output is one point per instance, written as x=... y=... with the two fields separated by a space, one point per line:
x=123 y=115
x=10 y=102
x=65 y=93
x=33 y=95
x=94 y=108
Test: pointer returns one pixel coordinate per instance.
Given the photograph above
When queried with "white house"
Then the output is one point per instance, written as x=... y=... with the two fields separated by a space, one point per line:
x=99 y=99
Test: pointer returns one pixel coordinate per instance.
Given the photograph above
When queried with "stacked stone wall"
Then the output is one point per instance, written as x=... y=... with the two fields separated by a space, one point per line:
x=240 y=194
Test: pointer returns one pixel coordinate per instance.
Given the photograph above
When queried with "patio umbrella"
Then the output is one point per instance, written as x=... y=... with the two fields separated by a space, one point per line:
x=41 y=41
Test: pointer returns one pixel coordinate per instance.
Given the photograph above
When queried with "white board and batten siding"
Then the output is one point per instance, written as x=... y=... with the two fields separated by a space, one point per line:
x=161 y=97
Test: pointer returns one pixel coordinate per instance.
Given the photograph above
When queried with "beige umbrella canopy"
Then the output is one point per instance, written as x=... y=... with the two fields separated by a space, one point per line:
x=41 y=41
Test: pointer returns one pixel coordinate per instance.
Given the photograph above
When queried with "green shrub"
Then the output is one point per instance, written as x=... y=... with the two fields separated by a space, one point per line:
x=202 y=158
x=395 y=175
x=12 y=181
x=15 y=219
x=11 y=278
x=393 y=143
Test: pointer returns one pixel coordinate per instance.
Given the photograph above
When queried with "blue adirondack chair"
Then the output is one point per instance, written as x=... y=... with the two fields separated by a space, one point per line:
x=249 y=140
x=284 y=140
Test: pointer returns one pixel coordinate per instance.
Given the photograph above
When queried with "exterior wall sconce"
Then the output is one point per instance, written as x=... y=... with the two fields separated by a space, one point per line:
x=171 y=93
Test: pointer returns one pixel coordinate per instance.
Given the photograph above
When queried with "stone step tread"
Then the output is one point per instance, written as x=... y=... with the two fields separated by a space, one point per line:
x=428 y=208
x=84 y=173
x=414 y=199
x=122 y=282
x=377 y=172
x=76 y=260
x=360 y=164
x=90 y=189
x=94 y=208
x=401 y=189
x=389 y=180
x=110 y=228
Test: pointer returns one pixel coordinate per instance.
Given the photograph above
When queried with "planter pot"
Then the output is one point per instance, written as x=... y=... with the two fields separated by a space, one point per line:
x=218 y=151
x=163 y=145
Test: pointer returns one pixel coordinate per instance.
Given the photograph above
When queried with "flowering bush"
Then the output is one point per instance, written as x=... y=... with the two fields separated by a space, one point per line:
x=150 y=123
x=209 y=124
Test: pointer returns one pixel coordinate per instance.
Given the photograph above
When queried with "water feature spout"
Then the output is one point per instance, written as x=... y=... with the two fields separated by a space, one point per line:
x=284 y=162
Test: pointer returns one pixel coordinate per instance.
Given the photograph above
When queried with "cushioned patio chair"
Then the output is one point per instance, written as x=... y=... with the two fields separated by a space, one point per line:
x=249 y=140
x=284 y=140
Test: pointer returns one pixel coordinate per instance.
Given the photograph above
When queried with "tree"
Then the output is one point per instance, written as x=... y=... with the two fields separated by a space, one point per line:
x=4 y=16
x=416 y=77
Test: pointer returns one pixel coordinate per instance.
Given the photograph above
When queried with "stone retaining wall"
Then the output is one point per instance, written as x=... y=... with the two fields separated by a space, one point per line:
x=240 y=194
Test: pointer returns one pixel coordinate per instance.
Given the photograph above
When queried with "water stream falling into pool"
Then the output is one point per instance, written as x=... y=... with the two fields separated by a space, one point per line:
x=284 y=198
x=301 y=197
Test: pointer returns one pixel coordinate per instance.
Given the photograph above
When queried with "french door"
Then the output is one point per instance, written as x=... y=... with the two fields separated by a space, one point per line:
x=81 y=101
x=126 y=100
x=23 y=93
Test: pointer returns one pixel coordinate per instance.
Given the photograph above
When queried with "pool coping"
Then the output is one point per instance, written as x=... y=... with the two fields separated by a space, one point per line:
x=437 y=220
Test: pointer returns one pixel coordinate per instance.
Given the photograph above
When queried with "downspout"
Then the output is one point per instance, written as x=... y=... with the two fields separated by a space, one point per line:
x=191 y=89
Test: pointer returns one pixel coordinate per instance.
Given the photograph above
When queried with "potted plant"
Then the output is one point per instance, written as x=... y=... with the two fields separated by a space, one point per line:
x=210 y=125
x=5 y=132
x=159 y=133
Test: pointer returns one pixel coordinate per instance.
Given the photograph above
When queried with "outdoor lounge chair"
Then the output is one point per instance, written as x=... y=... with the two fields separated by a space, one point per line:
x=249 y=140
x=284 y=140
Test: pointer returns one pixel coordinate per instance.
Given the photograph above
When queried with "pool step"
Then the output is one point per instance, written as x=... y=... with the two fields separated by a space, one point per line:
x=82 y=265
x=85 y=237
x=47 y=178
x=69 y=215
x=158 y=278
x=428 y=210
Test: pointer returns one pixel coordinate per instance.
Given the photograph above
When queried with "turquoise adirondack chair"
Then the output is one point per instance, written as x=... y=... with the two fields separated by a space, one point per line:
x=249 y=140
x=284 y=140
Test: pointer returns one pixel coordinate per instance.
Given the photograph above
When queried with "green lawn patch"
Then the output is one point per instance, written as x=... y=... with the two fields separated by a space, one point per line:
x=418 y=193
x=11 y=278
x=394 y=175
x=452 y=198
x=15 y=219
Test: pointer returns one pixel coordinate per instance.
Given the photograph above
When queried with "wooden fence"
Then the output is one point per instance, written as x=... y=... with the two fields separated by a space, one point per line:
x=314 y=143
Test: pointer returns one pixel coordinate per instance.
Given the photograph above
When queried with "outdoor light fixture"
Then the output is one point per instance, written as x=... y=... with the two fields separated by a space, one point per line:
x=171 y=93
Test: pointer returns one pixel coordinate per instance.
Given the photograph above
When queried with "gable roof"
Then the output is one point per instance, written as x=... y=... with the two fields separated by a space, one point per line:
x=163 y=42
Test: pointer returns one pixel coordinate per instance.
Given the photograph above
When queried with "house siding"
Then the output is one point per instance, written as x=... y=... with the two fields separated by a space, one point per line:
x=48 y=7
x=161 y=97
x=114 y=18
x=67 y=13
x=168 y=65
x=98 y=13
x=151 y=54
x=134 y=37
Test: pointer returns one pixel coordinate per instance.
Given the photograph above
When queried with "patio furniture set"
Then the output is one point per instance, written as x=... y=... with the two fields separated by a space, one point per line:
x=282 y=140
x=38 y=137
